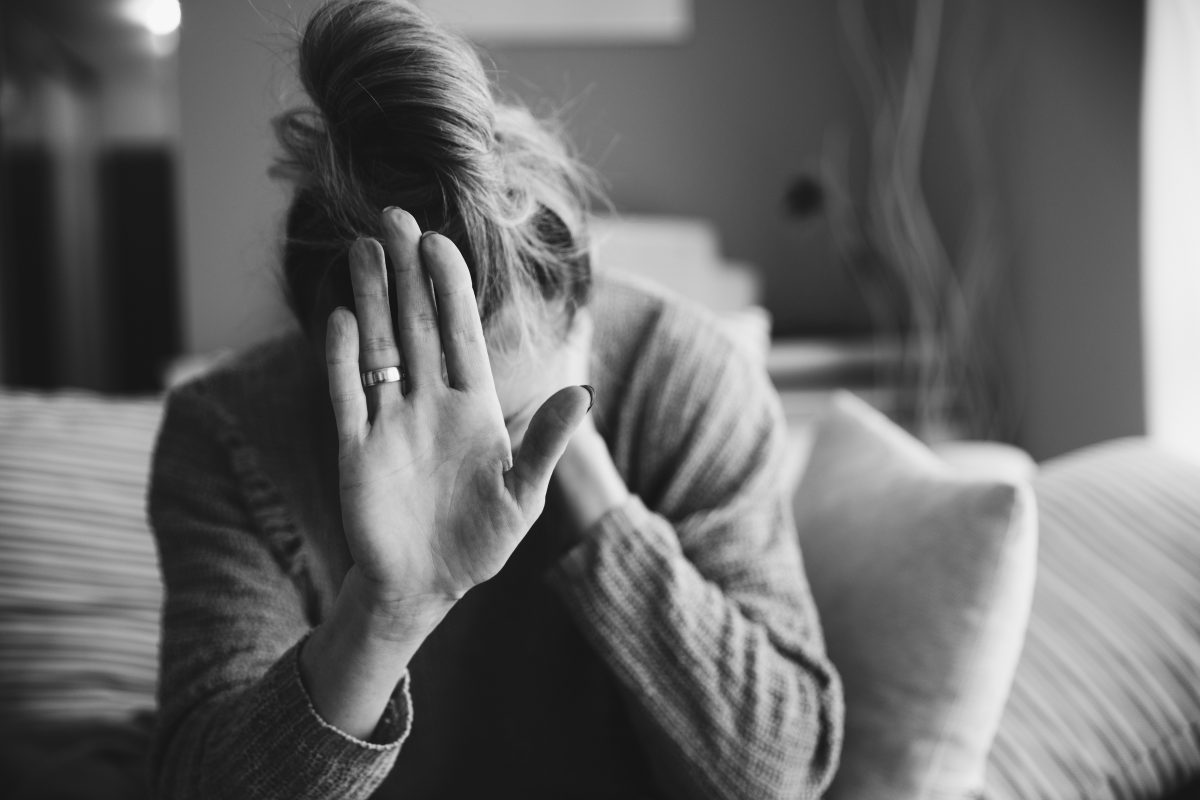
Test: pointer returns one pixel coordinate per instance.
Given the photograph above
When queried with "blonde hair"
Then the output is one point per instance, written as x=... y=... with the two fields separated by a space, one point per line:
x=403 y=115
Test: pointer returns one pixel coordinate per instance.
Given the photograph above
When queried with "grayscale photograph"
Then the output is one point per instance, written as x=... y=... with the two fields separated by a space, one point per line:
x=623 y=400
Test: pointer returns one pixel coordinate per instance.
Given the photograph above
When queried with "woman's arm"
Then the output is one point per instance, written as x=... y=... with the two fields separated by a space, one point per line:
x=432 y=501
x=234 y=719
x=702 y=610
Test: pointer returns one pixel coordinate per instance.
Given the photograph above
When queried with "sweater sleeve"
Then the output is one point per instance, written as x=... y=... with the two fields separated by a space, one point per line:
x=235 y=720
x=700 y=607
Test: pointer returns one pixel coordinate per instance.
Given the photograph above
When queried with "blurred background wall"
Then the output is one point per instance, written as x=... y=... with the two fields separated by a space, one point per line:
x=87 y=215
x=234 y=75
x=719 y=127
x=715 y=127
x=734 y=124
x=1068 y=161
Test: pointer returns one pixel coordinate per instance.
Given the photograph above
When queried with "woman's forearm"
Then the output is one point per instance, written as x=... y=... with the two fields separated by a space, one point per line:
x=732 y=697
x=353 y=661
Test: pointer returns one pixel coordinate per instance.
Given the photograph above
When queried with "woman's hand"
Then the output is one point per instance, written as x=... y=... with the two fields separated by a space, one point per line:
x=432 y=501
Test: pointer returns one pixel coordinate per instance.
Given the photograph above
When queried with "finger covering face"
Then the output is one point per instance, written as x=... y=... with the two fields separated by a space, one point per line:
x=461 y=329
x=341 y=359
x=416 y=317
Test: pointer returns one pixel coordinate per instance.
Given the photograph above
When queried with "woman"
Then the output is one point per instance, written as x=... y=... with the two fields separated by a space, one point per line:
x=386 y=572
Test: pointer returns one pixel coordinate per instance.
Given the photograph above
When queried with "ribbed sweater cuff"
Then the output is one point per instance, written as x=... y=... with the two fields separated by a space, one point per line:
x=326 y=755
x=393 y=726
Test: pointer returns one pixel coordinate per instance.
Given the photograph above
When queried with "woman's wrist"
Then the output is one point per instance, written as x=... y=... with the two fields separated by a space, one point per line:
x=387 y=622
x=353 y=661
x=588 y=480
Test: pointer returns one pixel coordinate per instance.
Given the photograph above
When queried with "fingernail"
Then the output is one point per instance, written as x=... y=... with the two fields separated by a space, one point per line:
x=591 y=390
x=390 y=209
x=427 y=234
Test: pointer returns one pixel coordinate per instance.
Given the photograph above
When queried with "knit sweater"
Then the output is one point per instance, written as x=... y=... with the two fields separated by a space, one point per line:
x=675 y=652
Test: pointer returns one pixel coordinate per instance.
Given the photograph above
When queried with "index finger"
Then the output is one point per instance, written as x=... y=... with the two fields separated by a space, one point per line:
x=467 y=364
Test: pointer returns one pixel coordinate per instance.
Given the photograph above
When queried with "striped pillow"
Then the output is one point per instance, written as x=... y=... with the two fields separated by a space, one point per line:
x=79 y=586
x=1106 y=700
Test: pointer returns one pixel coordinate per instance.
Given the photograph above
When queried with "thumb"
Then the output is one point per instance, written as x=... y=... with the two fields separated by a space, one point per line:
x=545 y=441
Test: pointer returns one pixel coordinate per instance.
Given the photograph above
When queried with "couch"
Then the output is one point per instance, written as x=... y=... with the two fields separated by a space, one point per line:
x=1102 y=698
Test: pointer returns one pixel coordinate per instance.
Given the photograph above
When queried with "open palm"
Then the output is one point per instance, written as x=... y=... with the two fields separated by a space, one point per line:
x=432 y=503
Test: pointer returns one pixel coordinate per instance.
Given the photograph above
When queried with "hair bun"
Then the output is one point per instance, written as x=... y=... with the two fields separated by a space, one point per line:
x=396 y=93
x=403 y=114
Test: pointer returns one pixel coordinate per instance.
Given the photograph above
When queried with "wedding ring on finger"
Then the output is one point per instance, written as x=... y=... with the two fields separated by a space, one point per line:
x=372 y=377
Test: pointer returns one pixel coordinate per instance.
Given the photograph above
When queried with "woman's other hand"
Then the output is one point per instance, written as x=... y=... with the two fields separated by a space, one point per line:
x=586 y=477
x=538 y=375
x=432 y=501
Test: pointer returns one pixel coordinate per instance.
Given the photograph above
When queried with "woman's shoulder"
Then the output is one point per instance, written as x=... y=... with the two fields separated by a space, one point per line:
x=645 y=330
x=259 y=400
x=260 y=380
x=677 y=393
x=638 y=313
x=252 y=423
x=665 y=359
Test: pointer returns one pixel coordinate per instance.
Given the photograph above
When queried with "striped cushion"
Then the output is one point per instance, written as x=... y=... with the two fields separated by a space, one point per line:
x=1106 y=702
x=79 y=586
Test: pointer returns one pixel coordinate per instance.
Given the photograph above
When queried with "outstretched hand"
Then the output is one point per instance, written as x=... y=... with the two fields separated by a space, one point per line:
x=432 y=501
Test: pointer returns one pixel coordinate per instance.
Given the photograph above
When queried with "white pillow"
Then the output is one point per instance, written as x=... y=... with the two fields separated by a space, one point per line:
x=923 y=581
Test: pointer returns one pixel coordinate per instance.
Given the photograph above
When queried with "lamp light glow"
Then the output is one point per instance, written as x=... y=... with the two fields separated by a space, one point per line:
x=159 y=17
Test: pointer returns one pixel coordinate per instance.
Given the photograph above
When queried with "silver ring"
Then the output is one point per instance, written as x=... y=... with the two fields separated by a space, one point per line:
x=371 y=377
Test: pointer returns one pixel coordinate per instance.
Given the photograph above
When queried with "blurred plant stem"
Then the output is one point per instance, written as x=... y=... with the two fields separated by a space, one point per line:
x=948 y=372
